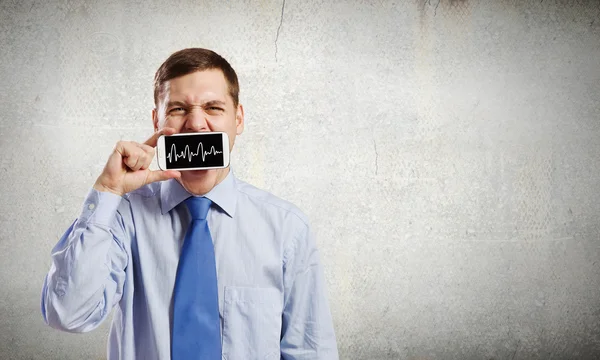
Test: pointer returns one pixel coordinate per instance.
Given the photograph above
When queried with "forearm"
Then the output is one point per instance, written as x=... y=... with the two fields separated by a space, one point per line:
x=307 y=331
x=87 y=274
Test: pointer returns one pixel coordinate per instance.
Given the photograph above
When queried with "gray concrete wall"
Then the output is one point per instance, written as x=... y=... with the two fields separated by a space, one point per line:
x=447 y=152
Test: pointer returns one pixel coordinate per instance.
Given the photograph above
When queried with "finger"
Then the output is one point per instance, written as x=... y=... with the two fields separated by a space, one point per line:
x=154 y=138
x=141 y=160
x=150 y=151
x=115 y=160
x=132 y=162
x=127 y=152
x=147 y=148
x=144 y=160
x=126 y=148
x=149 y=158
x=161 y=175
x=133 y=156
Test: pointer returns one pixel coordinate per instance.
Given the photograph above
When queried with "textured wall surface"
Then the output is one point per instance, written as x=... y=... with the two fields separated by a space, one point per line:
x=447 y=153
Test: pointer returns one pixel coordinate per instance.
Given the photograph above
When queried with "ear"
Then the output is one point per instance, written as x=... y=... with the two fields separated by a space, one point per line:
x=155 y=120
x=239 y=119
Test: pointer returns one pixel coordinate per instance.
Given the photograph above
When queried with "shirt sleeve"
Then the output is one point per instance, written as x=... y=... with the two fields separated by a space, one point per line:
x=87 y=273
x=307 y=326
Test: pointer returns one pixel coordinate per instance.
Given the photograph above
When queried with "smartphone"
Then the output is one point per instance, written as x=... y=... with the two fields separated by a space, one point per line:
x=193 y=151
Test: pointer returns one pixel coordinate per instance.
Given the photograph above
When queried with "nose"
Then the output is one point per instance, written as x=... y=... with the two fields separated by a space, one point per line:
x=196 y=120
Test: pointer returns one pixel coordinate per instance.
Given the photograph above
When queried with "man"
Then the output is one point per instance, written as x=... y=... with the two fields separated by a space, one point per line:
x=127 y=248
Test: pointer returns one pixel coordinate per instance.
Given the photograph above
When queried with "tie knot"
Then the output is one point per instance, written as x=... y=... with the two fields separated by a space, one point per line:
x=198 y=207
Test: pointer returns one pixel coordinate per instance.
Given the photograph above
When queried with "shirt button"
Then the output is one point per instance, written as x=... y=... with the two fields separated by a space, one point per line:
x=91 y=206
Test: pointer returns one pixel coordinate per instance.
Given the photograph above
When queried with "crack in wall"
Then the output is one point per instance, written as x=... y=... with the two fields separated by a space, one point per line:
x=279 y=28
x=376 y=157
x=436 y=5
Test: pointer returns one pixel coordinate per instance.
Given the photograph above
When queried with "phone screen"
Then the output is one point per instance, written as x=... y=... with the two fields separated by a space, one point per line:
x=194 y=150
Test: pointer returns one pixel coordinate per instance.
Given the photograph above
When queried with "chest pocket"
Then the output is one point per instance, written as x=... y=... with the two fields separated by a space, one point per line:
x=251 y=323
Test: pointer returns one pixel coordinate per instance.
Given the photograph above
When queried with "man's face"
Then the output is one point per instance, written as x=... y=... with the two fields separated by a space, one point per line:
x=199 y=102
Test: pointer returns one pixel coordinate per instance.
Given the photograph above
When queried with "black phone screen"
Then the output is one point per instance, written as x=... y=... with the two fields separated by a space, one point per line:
x=194 y=150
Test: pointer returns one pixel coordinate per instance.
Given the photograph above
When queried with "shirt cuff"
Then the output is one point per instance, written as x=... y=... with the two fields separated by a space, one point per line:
x=99 y=207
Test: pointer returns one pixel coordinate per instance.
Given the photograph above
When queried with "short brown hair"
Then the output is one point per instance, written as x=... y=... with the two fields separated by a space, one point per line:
x=190 y=60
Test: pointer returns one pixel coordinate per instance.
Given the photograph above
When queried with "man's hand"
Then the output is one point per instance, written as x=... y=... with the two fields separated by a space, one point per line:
x=127 y=167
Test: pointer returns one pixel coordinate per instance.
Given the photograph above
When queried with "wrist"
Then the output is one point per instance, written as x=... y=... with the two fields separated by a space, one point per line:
x=103 y=188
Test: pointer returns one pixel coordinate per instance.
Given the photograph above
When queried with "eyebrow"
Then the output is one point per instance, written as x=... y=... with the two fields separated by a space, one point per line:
x=207 y=103
x=214 y=102
x=175 y=103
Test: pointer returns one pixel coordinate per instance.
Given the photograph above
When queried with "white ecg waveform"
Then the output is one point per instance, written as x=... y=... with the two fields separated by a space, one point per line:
x=190 y=154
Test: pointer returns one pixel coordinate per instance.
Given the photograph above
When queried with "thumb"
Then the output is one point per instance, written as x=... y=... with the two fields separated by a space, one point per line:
x=161 y=175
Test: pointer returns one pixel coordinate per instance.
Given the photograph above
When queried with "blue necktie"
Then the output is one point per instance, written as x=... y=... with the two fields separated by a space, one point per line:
x=196 y=324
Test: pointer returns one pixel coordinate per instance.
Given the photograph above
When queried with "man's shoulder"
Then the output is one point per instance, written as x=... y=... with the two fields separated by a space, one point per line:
x=269 y=202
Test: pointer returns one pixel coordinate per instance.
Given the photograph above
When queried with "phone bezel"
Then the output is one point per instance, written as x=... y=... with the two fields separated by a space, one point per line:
x=161 y=157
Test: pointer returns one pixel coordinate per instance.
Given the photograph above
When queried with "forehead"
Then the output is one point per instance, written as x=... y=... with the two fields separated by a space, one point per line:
x=199 y=86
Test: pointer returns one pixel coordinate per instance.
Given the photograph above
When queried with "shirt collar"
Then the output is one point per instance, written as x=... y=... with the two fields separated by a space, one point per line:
x=172 y=193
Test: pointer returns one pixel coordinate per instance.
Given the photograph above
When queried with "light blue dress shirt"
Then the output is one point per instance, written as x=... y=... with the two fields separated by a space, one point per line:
x=122 y=253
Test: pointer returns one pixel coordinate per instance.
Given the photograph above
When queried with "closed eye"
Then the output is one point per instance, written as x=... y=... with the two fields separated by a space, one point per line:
x=176 y=110
x=214 y=110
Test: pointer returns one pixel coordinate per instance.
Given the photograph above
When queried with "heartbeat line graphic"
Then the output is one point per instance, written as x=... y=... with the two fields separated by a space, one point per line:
x=190 y=154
